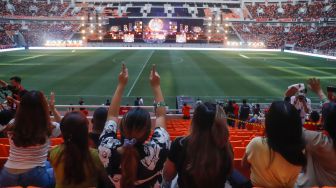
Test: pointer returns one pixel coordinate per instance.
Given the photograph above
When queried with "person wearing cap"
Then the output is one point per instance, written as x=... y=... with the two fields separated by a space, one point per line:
x=98 y=123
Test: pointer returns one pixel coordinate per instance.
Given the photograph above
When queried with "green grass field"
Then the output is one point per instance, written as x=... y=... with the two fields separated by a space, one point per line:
x=210 y=75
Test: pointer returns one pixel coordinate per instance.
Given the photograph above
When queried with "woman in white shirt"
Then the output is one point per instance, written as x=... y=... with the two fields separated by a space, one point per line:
x=277 y=159
x=29 y=144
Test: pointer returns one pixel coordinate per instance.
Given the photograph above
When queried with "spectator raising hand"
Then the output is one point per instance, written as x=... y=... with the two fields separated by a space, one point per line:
x=315 y=86
x=135 y=128
x=52 y=108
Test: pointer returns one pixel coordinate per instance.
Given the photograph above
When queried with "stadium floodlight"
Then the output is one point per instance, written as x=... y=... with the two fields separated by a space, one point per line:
x=99 y=18
x=100 y=25
x=209 y=24
x=83 y=38
x=226 y=31
x=226 y=18
x=91 y=31
x=83 y=31
x=217 y=31
x=210 y=18
x=100 y=37
x=209 y=31
x=225 y=38
x=91 y=18
x=100 y=31
x=226 y=25
x=82 y=18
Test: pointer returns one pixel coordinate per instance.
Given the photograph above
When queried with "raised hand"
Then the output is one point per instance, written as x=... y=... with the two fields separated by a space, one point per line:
x=154 y=77
x=123 y=76
x=3 y=83
x=52 y=100
x=314 y=85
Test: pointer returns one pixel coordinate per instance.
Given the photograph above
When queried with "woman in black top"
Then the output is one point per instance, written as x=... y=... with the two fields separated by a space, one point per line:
x=205 y=157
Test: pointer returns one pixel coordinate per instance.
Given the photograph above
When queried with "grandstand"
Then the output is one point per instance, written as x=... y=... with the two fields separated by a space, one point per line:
x=219 y=51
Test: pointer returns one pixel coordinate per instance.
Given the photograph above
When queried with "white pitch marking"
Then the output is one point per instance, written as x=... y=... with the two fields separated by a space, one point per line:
x=137 y=78
x=244 y=56
x=30 y=57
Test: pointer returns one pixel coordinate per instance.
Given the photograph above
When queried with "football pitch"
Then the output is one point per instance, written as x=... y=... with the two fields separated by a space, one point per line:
x=209 y=75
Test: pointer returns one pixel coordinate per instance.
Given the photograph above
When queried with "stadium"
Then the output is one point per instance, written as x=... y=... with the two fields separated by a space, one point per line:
x=215 y=93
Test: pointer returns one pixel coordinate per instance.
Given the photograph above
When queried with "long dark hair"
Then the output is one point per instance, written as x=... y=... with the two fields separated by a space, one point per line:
x=284 y=132
x=329 y=120
x=76 y=156
x=136 y=124
x=32 y=120
x=209 y=156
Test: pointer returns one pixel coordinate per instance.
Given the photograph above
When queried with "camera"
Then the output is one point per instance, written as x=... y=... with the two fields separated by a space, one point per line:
x=331 y=89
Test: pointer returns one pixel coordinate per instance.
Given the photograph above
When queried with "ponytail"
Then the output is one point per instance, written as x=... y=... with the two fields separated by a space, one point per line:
x=135 y=127
x=129 y=166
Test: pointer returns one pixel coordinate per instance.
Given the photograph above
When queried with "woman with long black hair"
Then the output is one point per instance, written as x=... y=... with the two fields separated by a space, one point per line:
x=204 y=158
x=74 y=162
x=277 y=159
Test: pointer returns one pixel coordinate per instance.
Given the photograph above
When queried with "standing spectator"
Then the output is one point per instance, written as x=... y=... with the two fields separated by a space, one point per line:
x=28 y=139
x=229 y=110
x=107 y=103
x=98 y=122
x=235 y=109
x=141 y=101
x=243 y=114
x=186 y=111
x=133 y=162
x=136 y=102
x=75 y=164
x=277 y=159
x=205 y=157
x=83 y=110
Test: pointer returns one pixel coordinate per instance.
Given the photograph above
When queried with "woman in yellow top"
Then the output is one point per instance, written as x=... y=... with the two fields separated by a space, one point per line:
x=74 y=163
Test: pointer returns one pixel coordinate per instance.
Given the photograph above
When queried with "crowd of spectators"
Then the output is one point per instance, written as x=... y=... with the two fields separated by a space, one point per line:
x=287 y=155
x=29 y=8
x=275 y=36
x=37 y=34
x=314 y=10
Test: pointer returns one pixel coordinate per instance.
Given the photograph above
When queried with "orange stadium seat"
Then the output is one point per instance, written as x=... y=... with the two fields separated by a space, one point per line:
x=239 y=152
x=4 y=141
x=238 y=143
x=4 y=150
x=56 y=141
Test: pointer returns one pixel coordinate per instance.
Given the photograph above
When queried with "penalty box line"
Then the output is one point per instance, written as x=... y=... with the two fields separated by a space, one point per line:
x=140 y=73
